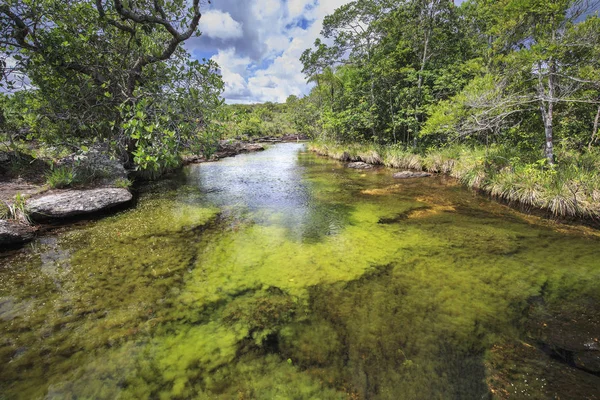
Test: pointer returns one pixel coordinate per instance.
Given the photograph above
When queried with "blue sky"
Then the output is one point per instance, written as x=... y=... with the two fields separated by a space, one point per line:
x=258 y=44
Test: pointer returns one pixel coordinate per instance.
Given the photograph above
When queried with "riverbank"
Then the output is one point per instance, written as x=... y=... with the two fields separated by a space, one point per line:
x=569 y=190
x=30 y=200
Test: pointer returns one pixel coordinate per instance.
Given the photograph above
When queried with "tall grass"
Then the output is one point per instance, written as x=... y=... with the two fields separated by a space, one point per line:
x=15 y=210
x=60 y=177
x=569 y=189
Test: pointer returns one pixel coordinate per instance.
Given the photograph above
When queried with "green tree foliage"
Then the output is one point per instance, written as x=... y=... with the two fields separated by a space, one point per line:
x=247 y=121
x=111 y=71
x=424 y=73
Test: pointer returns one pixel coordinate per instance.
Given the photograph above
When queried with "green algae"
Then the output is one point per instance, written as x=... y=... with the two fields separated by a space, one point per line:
x=353 y=286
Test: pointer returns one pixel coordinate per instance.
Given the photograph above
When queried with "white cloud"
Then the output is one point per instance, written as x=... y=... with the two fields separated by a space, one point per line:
x=234 y=72
x=266 y=9
x=220 y=25
x=296 y=7
x=275 y=33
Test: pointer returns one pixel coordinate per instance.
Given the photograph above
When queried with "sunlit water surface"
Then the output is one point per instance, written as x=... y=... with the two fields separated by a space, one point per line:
x=282 y=275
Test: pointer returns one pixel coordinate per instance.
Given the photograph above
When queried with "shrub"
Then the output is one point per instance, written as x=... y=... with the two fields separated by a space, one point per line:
x=122 y=183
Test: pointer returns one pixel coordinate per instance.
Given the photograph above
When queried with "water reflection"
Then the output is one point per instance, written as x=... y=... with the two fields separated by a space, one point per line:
x=271 y=187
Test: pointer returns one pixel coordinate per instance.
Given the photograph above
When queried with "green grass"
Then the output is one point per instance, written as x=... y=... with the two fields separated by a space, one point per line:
x=60 y=177
x=571 y=188
x=16 y=210
x=122 y=183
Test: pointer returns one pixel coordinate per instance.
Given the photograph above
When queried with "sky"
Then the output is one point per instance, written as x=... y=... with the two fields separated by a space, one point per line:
x=258 y=43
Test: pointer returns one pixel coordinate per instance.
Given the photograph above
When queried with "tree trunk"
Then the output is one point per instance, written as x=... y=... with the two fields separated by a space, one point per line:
x=420 y=82
x=595 y=130
x=393 y=119
x=547 y=108
x=549 y=132
x=372 y=78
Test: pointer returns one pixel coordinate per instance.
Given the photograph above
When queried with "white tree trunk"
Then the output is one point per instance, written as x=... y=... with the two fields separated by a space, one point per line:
x=595 y=130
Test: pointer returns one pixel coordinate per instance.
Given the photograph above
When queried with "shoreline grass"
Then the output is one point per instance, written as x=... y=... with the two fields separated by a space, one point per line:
x=570 y=189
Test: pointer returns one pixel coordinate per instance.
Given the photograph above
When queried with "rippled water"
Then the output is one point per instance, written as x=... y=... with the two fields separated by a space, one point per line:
x=282 y=275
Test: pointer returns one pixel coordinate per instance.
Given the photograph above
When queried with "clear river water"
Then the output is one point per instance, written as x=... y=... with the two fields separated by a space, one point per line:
x=285 y=275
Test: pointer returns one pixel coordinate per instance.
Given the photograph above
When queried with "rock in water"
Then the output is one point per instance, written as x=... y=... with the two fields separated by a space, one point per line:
x=12 y=232
x=411 y=174
x=76 y=202
x=359 y=165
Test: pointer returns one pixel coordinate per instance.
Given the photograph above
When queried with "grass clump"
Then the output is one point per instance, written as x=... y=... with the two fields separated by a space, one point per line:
x=16 y=210
x=122 y=183
x=60 y=177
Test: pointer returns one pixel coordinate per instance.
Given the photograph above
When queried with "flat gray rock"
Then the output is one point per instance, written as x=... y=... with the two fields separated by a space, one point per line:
x=12 y=232
x=411 y=174
x=359 y=165
x=71 y=203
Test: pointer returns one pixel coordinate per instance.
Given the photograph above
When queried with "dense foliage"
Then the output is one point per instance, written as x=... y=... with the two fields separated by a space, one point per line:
x=247 y=121
x=110 y=71
x=426 y=73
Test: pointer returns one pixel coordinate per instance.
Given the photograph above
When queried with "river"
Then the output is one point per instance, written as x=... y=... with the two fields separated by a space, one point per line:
x=284 y=275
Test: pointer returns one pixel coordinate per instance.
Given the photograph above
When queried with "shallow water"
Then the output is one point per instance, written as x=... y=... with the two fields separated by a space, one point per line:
x=283 y=275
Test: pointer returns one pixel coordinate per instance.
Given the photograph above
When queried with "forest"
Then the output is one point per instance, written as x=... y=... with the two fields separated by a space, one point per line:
x=503 y=95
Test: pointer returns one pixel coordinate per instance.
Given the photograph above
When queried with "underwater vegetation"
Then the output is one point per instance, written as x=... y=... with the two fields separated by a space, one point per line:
x=345 y=285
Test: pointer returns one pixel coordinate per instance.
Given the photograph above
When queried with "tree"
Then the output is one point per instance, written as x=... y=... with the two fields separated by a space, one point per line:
x=534 y=49
x=93 y=62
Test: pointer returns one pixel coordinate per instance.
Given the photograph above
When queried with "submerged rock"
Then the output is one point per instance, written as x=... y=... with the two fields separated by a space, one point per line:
x=359 y=165
x=77 y=202
x=12 y=232
x=411 y=174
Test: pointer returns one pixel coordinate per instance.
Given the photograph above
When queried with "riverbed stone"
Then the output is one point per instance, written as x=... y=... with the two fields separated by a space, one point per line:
x=13 y=232
x=359 y=165
x=411 y=174
x=70 y=203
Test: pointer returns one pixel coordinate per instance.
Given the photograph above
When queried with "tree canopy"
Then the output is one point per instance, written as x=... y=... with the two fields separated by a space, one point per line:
x=423 y=73
x=111 y=71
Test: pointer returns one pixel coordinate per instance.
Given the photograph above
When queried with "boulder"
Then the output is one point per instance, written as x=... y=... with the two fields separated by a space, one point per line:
x=96 y=164
x=411 y=174
x=13 y=232
x=359 y=165
x=71 y=203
